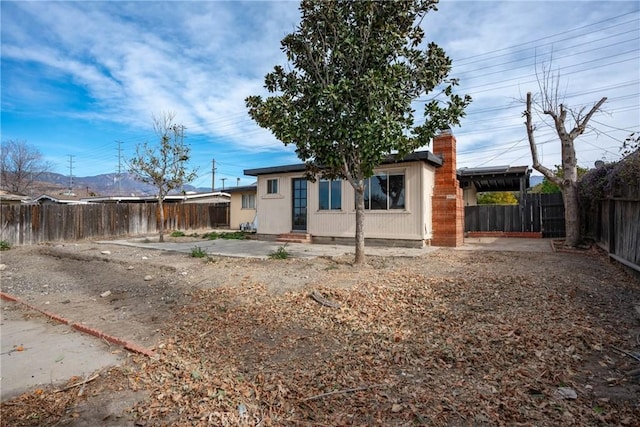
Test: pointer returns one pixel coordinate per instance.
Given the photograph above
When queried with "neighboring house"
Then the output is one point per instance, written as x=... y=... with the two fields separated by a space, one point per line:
x=242 y=206
x=212 y=197
x=60 y=199
x=492 y=178
x=410 y=201
x=10 y=198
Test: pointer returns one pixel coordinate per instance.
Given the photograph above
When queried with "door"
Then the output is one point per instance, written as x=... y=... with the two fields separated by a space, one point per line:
x=299 y=214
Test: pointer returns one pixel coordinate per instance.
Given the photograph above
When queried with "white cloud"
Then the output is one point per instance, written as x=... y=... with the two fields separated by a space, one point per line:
x=201 y=60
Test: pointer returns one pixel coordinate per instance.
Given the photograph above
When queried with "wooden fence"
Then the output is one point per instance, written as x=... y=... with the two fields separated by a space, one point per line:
x=538 y=213
x=32 y=224
x=614 y=224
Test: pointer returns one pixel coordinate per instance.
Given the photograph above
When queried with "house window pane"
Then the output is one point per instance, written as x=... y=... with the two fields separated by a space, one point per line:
x=336 y=194
x=330 y=194
x=323 y=195
x=272 y=186
x=248 y=201
x=383 y=192
x=396 y=192
x=377 y=191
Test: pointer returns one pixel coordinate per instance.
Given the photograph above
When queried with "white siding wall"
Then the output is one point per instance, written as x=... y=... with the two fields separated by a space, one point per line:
x=274 y=210
x=412 y=223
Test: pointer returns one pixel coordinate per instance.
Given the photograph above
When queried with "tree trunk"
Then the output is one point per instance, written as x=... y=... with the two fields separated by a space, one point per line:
x=571 y=213
x=360 y=257
x=161 y=225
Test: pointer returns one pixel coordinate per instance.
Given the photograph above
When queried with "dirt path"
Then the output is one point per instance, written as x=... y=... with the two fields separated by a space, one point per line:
x=451 y=337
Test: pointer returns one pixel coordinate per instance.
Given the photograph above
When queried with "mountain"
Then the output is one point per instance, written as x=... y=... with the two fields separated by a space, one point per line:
x=99 y=185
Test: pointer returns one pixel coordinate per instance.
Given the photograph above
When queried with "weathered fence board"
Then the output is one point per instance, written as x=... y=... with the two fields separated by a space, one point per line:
x=32 y=224
x=615 y=225
x=552 y=215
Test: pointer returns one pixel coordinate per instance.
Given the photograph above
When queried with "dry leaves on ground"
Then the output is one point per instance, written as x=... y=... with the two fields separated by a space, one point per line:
x=480 y=341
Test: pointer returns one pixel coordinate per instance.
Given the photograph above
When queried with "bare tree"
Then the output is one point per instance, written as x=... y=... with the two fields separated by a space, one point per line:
x=21 y=165
x=163 y=166
x=550 y=104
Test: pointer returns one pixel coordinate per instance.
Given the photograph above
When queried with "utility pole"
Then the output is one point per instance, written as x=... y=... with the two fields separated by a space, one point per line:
x=223 y=180
x=213 y=175
x=71 y=156
x=178 y=131
x=118 y=175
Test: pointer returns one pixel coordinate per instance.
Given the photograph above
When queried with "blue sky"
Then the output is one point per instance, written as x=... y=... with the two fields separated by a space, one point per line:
x=77 y=77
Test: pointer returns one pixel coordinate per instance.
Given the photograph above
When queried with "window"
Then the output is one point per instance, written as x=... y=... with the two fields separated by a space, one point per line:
x=272 y=186
x=330 y=194
x=384 y=191
x=248 y=201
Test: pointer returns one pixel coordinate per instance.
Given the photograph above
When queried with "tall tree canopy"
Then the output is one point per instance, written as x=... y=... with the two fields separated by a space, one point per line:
x=163 y=166
x=345 y=101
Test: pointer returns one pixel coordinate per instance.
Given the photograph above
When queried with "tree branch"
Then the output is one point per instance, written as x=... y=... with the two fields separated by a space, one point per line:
x=582 y=125
x=348 y=390
x=78 y=383
x=548 y=173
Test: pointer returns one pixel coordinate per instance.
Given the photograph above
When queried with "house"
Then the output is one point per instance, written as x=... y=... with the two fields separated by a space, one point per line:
x=60 y=199
x=492 y=178
x=411 y=201
x=10 y=198
x=242 y=207
x=190 y=197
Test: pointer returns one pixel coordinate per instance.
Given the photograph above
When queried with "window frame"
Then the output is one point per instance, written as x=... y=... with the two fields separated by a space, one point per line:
x=388 y=174
x=272 y=186
x=330 y=195
x=248 y=197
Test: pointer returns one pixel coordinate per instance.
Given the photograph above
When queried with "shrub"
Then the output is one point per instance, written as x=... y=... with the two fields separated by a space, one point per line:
x=236 y=235
x=611 y=179
x=280 y=253
x=177 y=234
x=4 y=245
x=198 y=252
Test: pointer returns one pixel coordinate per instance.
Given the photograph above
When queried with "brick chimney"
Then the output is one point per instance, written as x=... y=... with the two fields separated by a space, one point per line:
x=448 y=206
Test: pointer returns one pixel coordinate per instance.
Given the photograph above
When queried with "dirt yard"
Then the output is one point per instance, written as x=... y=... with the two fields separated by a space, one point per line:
x=450 y=338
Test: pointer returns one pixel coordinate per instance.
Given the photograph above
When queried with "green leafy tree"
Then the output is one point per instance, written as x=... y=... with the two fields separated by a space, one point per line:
x=497 y=198
x=164 y=166
x=547 y=186
x=345 y=101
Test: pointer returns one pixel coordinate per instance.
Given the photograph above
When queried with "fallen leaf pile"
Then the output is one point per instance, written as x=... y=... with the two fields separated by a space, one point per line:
x=482 y=341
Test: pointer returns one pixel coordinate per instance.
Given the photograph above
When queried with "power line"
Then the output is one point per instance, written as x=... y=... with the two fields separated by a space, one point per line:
x=613 y=18
x=231 y=127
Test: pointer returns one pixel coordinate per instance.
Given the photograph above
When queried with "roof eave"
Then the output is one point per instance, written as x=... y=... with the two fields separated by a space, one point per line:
x=425 y=156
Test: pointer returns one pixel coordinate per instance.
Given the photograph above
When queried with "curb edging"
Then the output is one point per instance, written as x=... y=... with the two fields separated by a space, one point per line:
x=132 y=347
